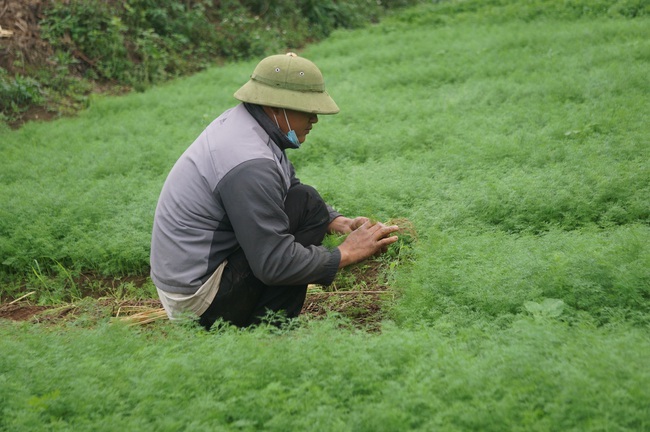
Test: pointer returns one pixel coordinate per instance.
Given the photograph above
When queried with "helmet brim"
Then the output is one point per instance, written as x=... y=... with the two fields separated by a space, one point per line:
x=315 y=102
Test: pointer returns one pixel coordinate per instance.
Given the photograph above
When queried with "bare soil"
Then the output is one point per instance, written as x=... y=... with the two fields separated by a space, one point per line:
x=362 y=308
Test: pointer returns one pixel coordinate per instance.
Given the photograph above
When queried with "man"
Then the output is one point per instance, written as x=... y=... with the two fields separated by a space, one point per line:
x=235 y=233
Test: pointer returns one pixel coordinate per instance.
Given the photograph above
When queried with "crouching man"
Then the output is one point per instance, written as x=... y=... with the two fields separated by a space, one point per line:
x=235 y=233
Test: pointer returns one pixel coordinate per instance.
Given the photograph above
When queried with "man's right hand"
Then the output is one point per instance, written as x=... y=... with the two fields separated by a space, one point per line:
x=367 y=240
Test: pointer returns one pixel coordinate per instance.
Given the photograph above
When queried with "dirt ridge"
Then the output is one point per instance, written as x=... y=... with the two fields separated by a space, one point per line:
x=21 y=45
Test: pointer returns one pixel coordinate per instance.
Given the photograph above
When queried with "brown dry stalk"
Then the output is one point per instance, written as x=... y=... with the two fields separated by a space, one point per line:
x=22 y=297
x=5 y=33
x=329 y=293
x=144 y=317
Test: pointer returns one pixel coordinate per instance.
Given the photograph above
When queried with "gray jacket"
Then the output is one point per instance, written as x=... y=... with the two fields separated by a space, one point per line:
x=227 y=191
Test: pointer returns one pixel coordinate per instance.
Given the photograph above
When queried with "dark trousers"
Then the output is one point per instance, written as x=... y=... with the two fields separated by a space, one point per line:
x=243 y=299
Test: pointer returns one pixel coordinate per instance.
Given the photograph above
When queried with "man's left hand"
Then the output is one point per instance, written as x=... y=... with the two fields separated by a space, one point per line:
x=344 y=225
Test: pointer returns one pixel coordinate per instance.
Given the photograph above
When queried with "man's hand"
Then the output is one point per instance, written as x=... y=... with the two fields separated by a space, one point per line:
x=365 y=241
x=343 y=225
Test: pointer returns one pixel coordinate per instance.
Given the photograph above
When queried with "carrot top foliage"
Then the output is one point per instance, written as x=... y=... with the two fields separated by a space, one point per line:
x=512 y=135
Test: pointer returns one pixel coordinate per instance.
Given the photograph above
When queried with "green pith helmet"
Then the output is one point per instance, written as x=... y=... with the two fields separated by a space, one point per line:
x=288 y=81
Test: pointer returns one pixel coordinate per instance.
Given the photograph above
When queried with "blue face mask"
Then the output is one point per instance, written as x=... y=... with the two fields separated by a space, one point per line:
x=291 y=135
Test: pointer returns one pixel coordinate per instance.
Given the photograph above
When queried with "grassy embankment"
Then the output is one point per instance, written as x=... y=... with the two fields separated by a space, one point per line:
x=516 y=142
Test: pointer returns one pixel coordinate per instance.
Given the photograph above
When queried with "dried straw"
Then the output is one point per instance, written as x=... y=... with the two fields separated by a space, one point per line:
x=22 y=297
x=143 y=317
x=5 y=33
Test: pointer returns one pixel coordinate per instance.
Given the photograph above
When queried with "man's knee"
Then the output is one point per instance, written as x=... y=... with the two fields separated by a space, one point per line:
x=308 y=214
x=304 y=193
x=305 y=202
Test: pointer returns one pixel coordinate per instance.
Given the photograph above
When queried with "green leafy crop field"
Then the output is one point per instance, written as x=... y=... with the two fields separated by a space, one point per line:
x=514 y=136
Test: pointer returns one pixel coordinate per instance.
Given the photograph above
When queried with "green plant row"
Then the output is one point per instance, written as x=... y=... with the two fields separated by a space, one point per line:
x=513 y=135
x=518 y=150
x=137 y=43
x=538 y=375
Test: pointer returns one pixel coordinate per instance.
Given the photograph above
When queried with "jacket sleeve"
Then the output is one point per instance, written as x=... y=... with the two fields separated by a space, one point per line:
x=253 y=197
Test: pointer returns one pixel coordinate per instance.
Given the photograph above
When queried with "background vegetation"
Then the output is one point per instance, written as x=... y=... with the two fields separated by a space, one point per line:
x=512 y=135
x=101 y=45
